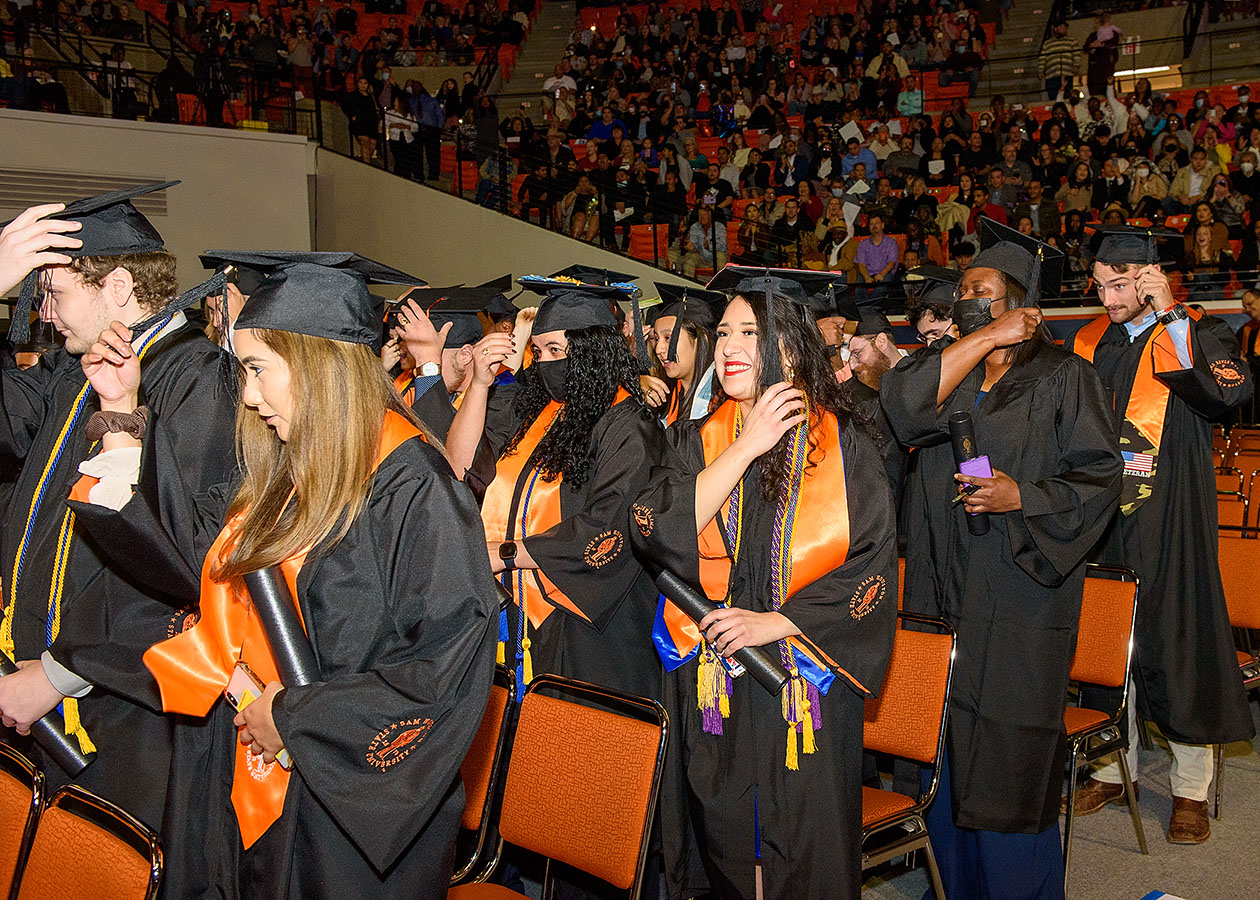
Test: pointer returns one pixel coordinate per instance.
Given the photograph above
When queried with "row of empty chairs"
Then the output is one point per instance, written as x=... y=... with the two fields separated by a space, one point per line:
x=74 y=847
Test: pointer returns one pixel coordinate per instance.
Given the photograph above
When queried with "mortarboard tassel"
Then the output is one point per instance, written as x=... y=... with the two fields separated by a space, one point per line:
x=771 y=370
x=672 y=356
x=213 y=285
x=20 y=326
x=640 y=348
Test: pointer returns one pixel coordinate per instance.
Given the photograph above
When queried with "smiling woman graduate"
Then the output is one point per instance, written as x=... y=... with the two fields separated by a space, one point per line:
x=379 y=545
x=776 y=506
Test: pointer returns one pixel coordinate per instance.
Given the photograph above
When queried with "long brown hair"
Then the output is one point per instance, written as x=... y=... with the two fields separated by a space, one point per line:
x=340 y=394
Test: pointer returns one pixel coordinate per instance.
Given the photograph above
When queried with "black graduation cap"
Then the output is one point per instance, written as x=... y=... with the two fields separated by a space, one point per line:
x=942 y=283
x=1119 y=244
x=111 y=226
x=687 y=304
x=872 y=322
x=1035 y=265
x=569 y=307
x=326 y=300
x=457 y=305
x=593 y=275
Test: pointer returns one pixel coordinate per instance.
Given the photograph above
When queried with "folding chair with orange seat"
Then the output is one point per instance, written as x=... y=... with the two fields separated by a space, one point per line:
x=87 y=848
x=641 y=243
x=907 y=720
x=901 y=581
x=1229 y=479
x=21 y=798
x=482 y=771
x=1246 y=459
x=1231 y=509
x=1242 y=439
x=582 y=784
x=1239 y=553
x=1104 y=650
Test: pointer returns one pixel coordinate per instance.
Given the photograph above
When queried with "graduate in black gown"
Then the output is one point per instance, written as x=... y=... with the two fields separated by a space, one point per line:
x=572 y=451
x=74 y=618
x=790 y=525
x=378 y=543
x=682 y=342
x=1170 y=373
x=1013 y=594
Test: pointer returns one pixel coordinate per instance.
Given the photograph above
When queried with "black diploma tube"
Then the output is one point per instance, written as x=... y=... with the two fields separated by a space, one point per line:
x=277 y=611
x=50 y=733
x=962 y=434
x=758 y=661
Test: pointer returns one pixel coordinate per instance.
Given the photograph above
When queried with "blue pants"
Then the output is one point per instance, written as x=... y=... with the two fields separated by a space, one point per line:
x=992 y=865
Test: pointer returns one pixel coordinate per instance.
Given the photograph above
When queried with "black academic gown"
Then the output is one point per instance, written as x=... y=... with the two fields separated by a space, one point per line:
x=401 y=615
x=1014 y=594
x=809 y=820
x=108 y=618
x=614 y=648
x=1184 y=664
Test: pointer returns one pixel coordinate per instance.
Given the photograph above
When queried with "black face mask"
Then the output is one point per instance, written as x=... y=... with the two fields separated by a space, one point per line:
x=970 y=315
x=554 y=373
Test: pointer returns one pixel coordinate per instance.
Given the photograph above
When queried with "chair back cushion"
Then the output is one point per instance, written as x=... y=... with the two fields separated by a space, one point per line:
x=74 y=859
x=1102 y=641
x=579 y=786
x=478 y=764
x=16 y=798
x=1240 y=560
x=905 y=720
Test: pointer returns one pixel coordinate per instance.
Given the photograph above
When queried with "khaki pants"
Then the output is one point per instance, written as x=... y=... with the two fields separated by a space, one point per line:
x=690 y=260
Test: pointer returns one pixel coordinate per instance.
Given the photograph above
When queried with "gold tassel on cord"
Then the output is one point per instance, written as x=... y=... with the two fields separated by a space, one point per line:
x=74 y=726
x=791 y=749
x=527 y=663
x=807 y=723
x=500 y=654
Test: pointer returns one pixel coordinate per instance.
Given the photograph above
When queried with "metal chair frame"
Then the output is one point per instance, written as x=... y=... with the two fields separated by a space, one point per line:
x=21 y=768
x=494 y=791
x=1241 y=498
x=1109 y=735
x=911 y=822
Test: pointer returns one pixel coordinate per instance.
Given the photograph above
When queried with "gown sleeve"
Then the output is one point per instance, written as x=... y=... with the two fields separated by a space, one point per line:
x=23 y=395
x=850 y=613
x=628 y=442
x=423 y=697
x=1063 y=516
x=157 y=541
x=907 y=393
x=1218 y=380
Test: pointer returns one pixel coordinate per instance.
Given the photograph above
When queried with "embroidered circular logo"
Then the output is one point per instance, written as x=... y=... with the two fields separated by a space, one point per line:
x=1226 y=373
x=181 y=622
x=394 y=743
x=643 y=518
x=604 y=549
x=258 y=770
x=867 y=596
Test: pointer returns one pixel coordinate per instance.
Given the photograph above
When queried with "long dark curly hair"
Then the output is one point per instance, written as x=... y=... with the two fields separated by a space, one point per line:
x=802 y=347
x=599 y=363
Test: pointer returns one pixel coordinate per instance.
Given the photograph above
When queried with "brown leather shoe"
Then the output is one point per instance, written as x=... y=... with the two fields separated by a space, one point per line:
x=1093 y=795
x=1189 y=824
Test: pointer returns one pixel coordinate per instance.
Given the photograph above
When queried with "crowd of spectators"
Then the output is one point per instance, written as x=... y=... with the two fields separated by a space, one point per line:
x=754 y=143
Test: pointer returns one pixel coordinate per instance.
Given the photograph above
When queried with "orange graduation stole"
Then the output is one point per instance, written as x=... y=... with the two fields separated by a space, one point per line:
x=1143 y=425
x=811 y=539
x=520 y=503
x=675 y=405
x=1248 y=339
x=405 y=384
x=193 y=668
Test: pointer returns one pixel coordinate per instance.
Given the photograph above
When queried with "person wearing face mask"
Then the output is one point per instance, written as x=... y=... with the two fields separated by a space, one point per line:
x=572 y=451
x=1013 y=593
x=1147 y=189
x=781 y=478
x=1247 y=181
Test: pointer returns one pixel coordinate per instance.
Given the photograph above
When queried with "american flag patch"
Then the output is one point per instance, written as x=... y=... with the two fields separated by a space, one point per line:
x=1140 y=464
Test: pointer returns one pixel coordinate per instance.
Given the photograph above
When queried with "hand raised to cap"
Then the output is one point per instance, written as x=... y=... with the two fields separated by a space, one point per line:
x=30 y=241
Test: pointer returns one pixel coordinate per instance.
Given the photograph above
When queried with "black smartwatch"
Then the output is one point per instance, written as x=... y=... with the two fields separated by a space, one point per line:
x=1173 y=314
x=507 y=554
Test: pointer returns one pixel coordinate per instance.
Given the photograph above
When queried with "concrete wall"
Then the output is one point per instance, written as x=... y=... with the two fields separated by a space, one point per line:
x=439 y=237
x=240 y=189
